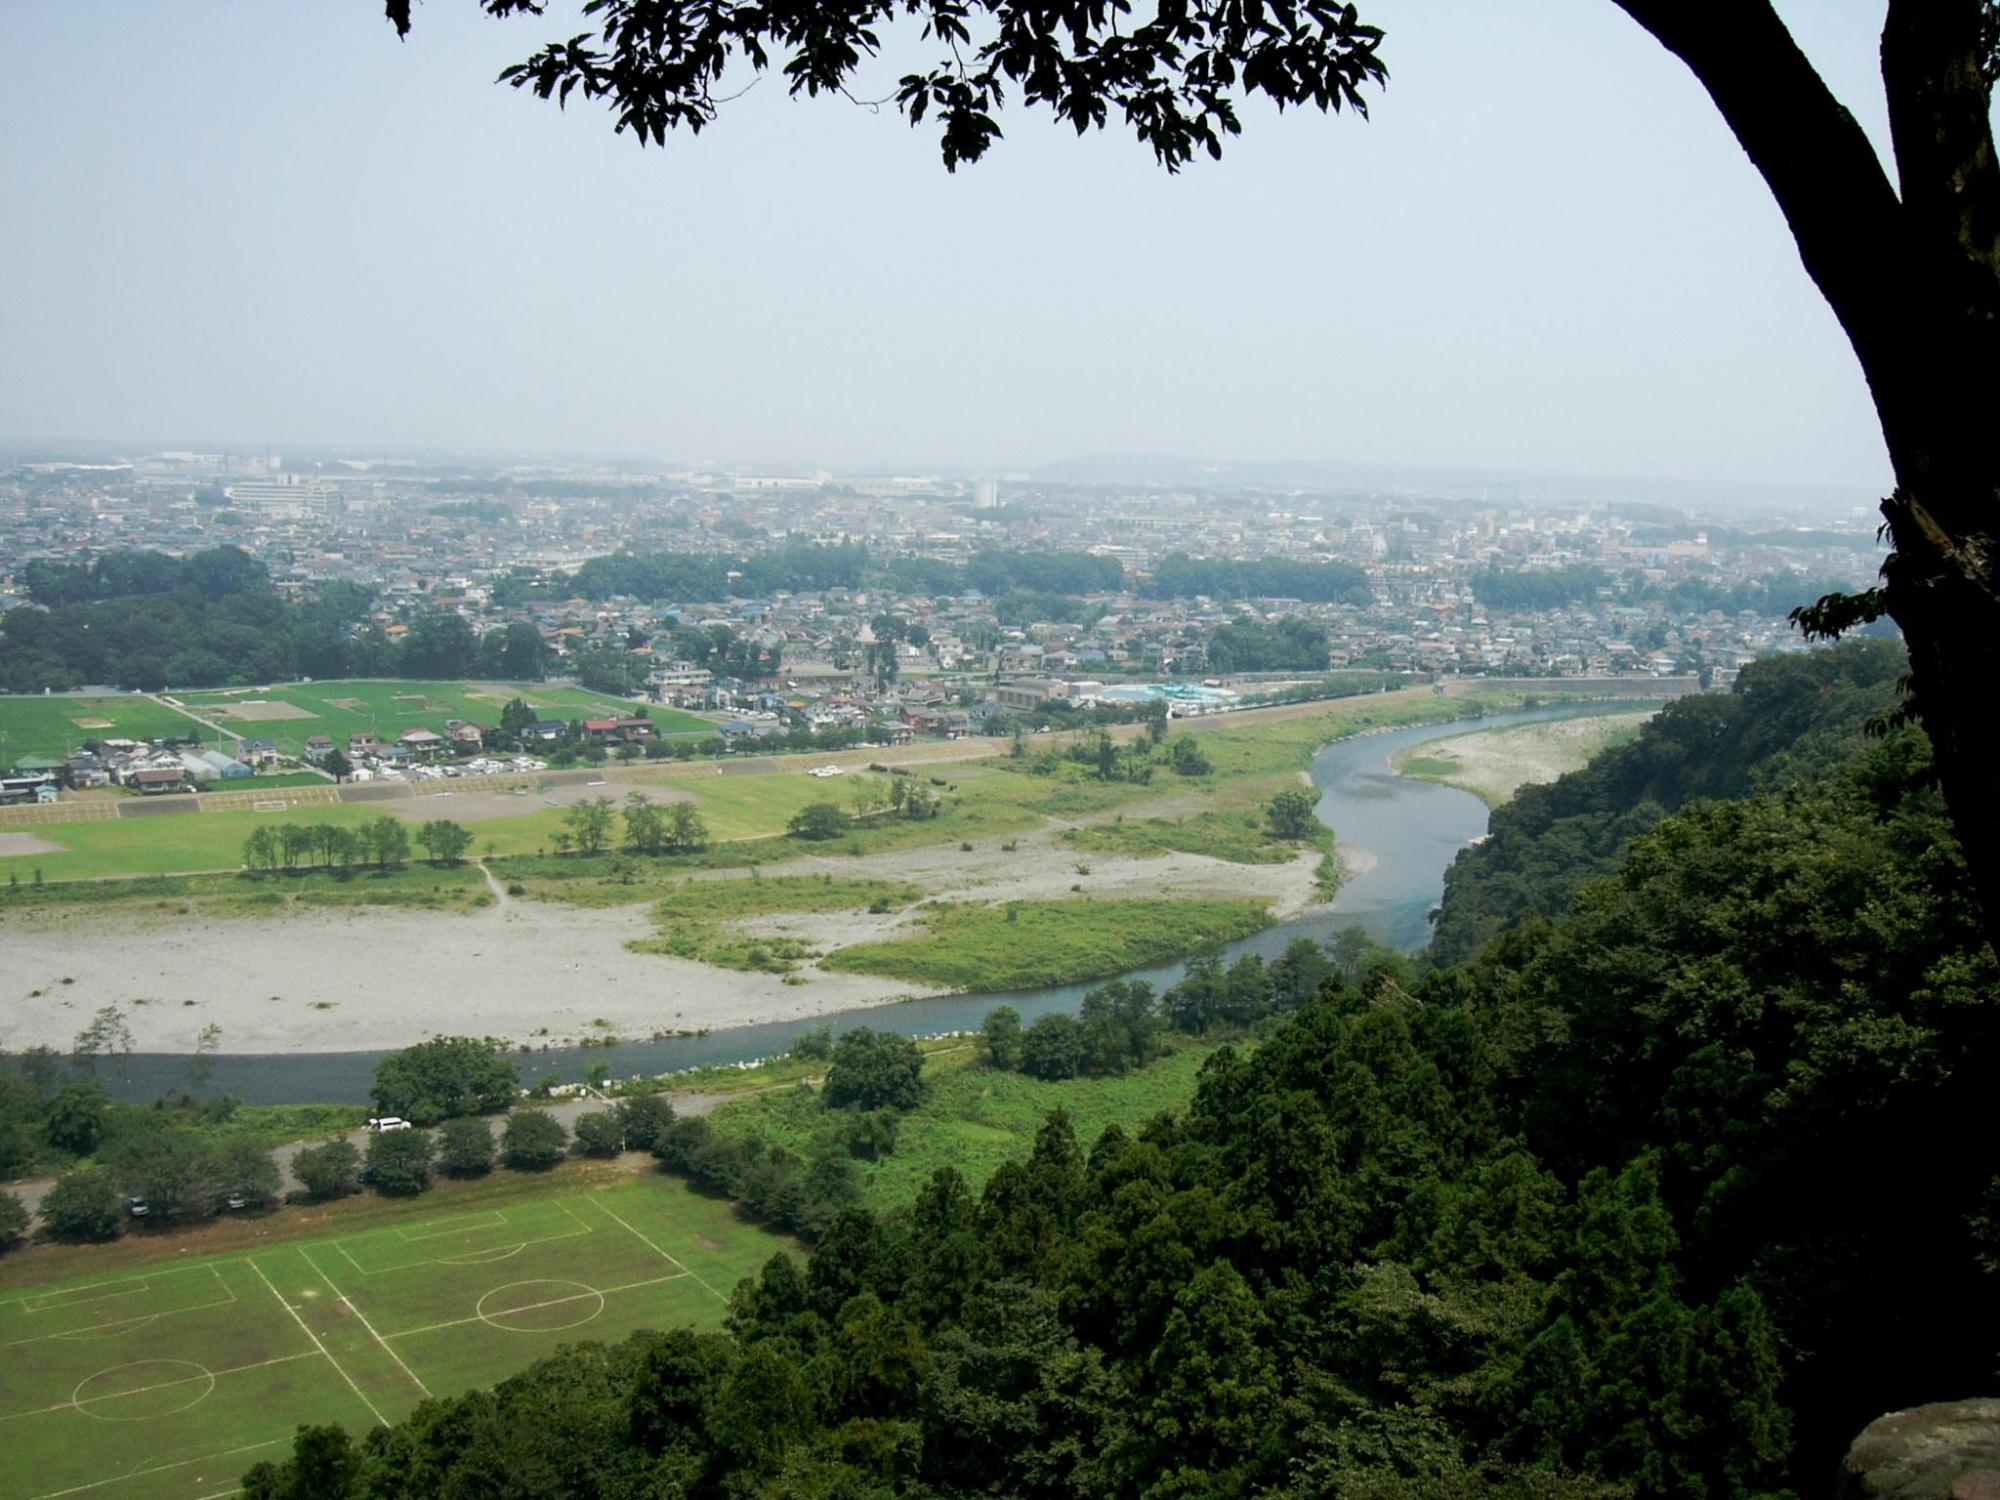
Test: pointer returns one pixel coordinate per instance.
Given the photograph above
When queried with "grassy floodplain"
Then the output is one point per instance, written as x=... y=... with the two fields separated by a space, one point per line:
x=1021 y=944
x=990 y=797
x=137 y=1369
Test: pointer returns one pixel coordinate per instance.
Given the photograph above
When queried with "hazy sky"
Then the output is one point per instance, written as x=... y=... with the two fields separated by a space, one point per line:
x=272 y=223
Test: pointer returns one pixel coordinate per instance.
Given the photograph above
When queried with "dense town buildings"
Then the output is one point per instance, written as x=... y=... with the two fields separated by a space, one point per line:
x=1453 y=584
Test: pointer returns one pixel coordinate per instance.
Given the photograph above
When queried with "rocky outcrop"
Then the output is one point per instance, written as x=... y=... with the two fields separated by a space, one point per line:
x=1947 y=1451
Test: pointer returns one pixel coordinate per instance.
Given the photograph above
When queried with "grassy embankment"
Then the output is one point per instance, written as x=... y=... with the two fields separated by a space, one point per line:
x=1494 y=764
x=764 y=1077
x=974 y=1118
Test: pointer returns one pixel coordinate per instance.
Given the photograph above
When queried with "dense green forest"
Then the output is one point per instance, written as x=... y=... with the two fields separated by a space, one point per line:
x=1000 y=573
x=1552 y=588
x=1291 y=644
x=1666 y=1196
x=684 y=577
x=144 y=620
x=147 y=620
x=1788 y=716
x=1179 y=576
x=1539 y=588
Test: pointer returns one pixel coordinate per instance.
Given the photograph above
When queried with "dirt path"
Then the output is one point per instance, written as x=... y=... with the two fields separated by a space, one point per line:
x=501 y=900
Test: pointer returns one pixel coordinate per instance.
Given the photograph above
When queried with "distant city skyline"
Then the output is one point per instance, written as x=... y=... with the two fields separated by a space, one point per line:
x=283 y=222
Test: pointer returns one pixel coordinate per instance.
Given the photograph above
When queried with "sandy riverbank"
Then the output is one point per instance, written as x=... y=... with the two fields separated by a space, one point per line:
x=361 y=981
x=1493 y=764
x=523 y=970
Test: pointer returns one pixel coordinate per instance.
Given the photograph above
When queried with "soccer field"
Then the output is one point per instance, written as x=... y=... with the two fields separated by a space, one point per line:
x=48 y=728
x=172 y=1381
x=290 y=712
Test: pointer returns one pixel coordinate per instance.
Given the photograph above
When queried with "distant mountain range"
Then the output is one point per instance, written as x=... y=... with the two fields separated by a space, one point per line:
x=1335 y=475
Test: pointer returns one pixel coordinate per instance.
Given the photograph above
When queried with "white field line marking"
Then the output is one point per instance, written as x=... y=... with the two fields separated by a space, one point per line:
x=656 y=1249
x=158 y=1385
x=598 y=1292
x=318 y=1345
x=348 y=1302
x=114 y=1324
x=464 y=1259
x=227 y=1298
x=32 y=1303
x=435 y=1229
x=98 y=1484
x=66 y=1297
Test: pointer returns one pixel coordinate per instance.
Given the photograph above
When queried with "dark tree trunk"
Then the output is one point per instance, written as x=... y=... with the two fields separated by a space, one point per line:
x=1914 y=278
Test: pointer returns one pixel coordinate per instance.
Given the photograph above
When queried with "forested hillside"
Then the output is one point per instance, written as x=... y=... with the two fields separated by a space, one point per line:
x=1665 y=1197
x=1788 y=716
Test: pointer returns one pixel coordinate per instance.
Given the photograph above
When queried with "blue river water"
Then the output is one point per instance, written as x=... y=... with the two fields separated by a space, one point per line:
x=1404 y=833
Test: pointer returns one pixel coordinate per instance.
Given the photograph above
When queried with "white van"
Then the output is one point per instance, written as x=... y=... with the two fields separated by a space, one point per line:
x=382 y=1123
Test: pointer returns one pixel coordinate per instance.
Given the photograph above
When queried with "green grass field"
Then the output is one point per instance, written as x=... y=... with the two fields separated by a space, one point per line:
x=1240 y=835
x=1026 y=943
x=387 y=708
x=975 y=1117
x=170 y=1380
x=49 y=728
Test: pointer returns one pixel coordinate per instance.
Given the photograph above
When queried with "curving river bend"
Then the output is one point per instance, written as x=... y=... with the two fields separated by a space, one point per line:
x=1406 y=833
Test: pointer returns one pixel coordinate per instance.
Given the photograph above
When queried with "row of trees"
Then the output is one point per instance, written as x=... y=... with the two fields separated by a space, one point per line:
x=650 y=827
x=179 y=1173
x=381 y=843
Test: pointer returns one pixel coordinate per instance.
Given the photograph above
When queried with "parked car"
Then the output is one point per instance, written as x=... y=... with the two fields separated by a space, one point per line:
x=382 y=1123
x=136 y=1206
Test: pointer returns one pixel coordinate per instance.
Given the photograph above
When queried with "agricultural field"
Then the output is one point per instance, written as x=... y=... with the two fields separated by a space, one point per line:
x=1493 y=764
x=975 y=1117
x=49 y=728
x=170 y=1379
x=965 y=946
x=289 y=713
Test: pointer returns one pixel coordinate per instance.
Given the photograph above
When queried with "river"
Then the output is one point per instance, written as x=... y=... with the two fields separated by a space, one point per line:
x=1407 y=831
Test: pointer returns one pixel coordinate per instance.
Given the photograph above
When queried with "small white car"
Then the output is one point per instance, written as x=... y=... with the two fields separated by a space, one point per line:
x=381 y=1124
